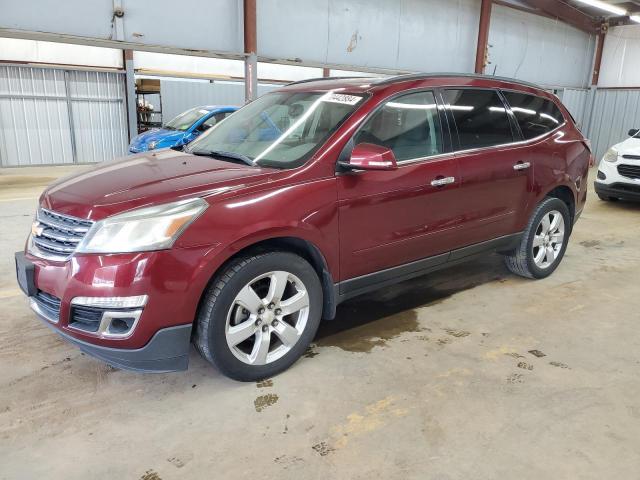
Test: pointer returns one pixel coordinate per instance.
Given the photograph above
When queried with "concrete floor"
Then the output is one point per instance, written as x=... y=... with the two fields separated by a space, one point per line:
x=468 y=373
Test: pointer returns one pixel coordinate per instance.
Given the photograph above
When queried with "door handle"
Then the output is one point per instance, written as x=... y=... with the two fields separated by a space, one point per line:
x=521 y=166
x=439 y=182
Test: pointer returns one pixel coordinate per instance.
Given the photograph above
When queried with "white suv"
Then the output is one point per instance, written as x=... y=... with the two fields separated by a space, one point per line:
x=619 y=170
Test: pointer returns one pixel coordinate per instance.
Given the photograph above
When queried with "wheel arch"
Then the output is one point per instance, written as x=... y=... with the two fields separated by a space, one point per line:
x=299 y=246
x=567 y=195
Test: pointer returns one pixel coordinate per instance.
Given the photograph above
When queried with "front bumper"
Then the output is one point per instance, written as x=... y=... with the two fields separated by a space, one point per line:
x=172 y=280
x=623 y=191
x=167 y=351
x=610 y=181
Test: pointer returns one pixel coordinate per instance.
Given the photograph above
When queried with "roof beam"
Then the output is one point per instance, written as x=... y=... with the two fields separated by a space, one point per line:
x=566 y=13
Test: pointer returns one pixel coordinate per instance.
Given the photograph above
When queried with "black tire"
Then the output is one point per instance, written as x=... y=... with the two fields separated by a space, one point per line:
x=521 y=261
x=210 y=339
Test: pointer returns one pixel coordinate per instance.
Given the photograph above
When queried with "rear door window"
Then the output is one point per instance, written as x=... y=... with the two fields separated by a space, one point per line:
x=409 y=125
x=480 y=117
x=536 y=115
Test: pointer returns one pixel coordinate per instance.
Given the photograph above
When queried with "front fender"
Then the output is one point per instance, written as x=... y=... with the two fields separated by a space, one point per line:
x=306 y=211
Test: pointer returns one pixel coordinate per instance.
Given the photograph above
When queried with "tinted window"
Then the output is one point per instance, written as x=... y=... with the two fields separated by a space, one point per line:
x=536 y=116
x=408 y=125
x=480 y=116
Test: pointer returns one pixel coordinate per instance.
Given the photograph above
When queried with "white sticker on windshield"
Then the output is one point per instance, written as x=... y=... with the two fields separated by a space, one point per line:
x=342 y=98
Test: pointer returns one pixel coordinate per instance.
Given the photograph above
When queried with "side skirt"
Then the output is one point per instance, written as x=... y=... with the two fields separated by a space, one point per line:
x=373 y=281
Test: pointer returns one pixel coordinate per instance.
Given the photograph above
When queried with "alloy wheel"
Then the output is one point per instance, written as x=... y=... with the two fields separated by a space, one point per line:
x=548 y=239
x=267 y=318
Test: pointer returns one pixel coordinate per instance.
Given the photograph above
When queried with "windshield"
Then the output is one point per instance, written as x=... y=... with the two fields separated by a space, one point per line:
x=280 y=130
x=186 y=119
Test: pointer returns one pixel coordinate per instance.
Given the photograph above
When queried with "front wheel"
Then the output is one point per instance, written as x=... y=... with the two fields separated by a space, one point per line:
x=544 y=241
x=260 y=315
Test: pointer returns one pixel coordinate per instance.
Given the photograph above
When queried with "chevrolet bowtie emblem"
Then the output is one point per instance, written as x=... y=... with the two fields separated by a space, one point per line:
x=36 y=229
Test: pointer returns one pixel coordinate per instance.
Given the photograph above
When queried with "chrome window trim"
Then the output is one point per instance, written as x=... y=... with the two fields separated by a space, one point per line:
x=518 y=143
x=424 y=159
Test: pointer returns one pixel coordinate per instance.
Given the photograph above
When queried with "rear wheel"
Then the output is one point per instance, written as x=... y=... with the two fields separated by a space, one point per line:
x=544 y=241
x=260 y=315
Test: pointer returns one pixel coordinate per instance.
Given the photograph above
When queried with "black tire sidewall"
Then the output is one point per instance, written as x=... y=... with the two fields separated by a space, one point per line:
x=547 y=206
x=221 y=353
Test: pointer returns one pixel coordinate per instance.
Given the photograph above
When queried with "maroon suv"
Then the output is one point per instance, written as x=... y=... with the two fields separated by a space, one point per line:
x=312 y=194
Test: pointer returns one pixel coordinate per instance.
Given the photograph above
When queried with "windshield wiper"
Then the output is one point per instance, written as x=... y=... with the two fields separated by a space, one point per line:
x=221 y=154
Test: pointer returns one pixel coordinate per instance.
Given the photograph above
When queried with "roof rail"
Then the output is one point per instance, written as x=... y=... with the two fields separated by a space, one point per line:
x=420 y=76
x=319 y=79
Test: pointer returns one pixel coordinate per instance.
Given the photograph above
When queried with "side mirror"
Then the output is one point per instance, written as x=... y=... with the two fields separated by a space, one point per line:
x=633 y=132
x=367 y=156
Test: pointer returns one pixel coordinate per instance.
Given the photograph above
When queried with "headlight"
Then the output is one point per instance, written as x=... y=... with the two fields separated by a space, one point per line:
x=152 y=145
x=611 y=155
x=144 y=229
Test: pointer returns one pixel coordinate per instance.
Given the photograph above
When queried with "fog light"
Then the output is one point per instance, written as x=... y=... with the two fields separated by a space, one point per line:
x=601 y=175
x=121 y=325
x=107 y=317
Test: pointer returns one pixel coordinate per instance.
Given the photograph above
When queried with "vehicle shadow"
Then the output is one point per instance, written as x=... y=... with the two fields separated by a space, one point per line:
x=386 y=312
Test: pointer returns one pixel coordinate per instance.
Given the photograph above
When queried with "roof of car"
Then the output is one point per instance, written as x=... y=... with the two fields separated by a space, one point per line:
x=372 y=83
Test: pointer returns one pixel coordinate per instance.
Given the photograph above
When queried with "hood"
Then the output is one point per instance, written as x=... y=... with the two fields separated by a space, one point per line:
x=146 y=179
x=631 y=146
x=156 y=135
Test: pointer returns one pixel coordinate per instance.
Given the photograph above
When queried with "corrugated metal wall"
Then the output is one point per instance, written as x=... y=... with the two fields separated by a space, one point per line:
x=614 y=113
x=34 y=118
x=98 y=113
x=53 y=116
x=420 y=35
x=180 y=95
x=575 y=99
x=538 y=49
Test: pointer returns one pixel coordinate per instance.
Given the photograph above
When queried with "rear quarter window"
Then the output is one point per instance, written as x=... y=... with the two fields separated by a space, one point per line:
x=535 y=115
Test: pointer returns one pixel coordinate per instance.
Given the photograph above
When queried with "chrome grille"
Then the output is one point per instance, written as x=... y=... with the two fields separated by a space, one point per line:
x=56 y=236
x=629 y=171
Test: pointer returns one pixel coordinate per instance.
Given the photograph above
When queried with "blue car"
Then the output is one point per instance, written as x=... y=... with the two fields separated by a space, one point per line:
x=182 y=129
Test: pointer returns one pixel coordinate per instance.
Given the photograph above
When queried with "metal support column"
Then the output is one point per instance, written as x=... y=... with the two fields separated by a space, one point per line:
x=130 y=94
x=251 y=49
x=595 y=77
x=72 y=128
x=598 y=59
x=483 y=36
